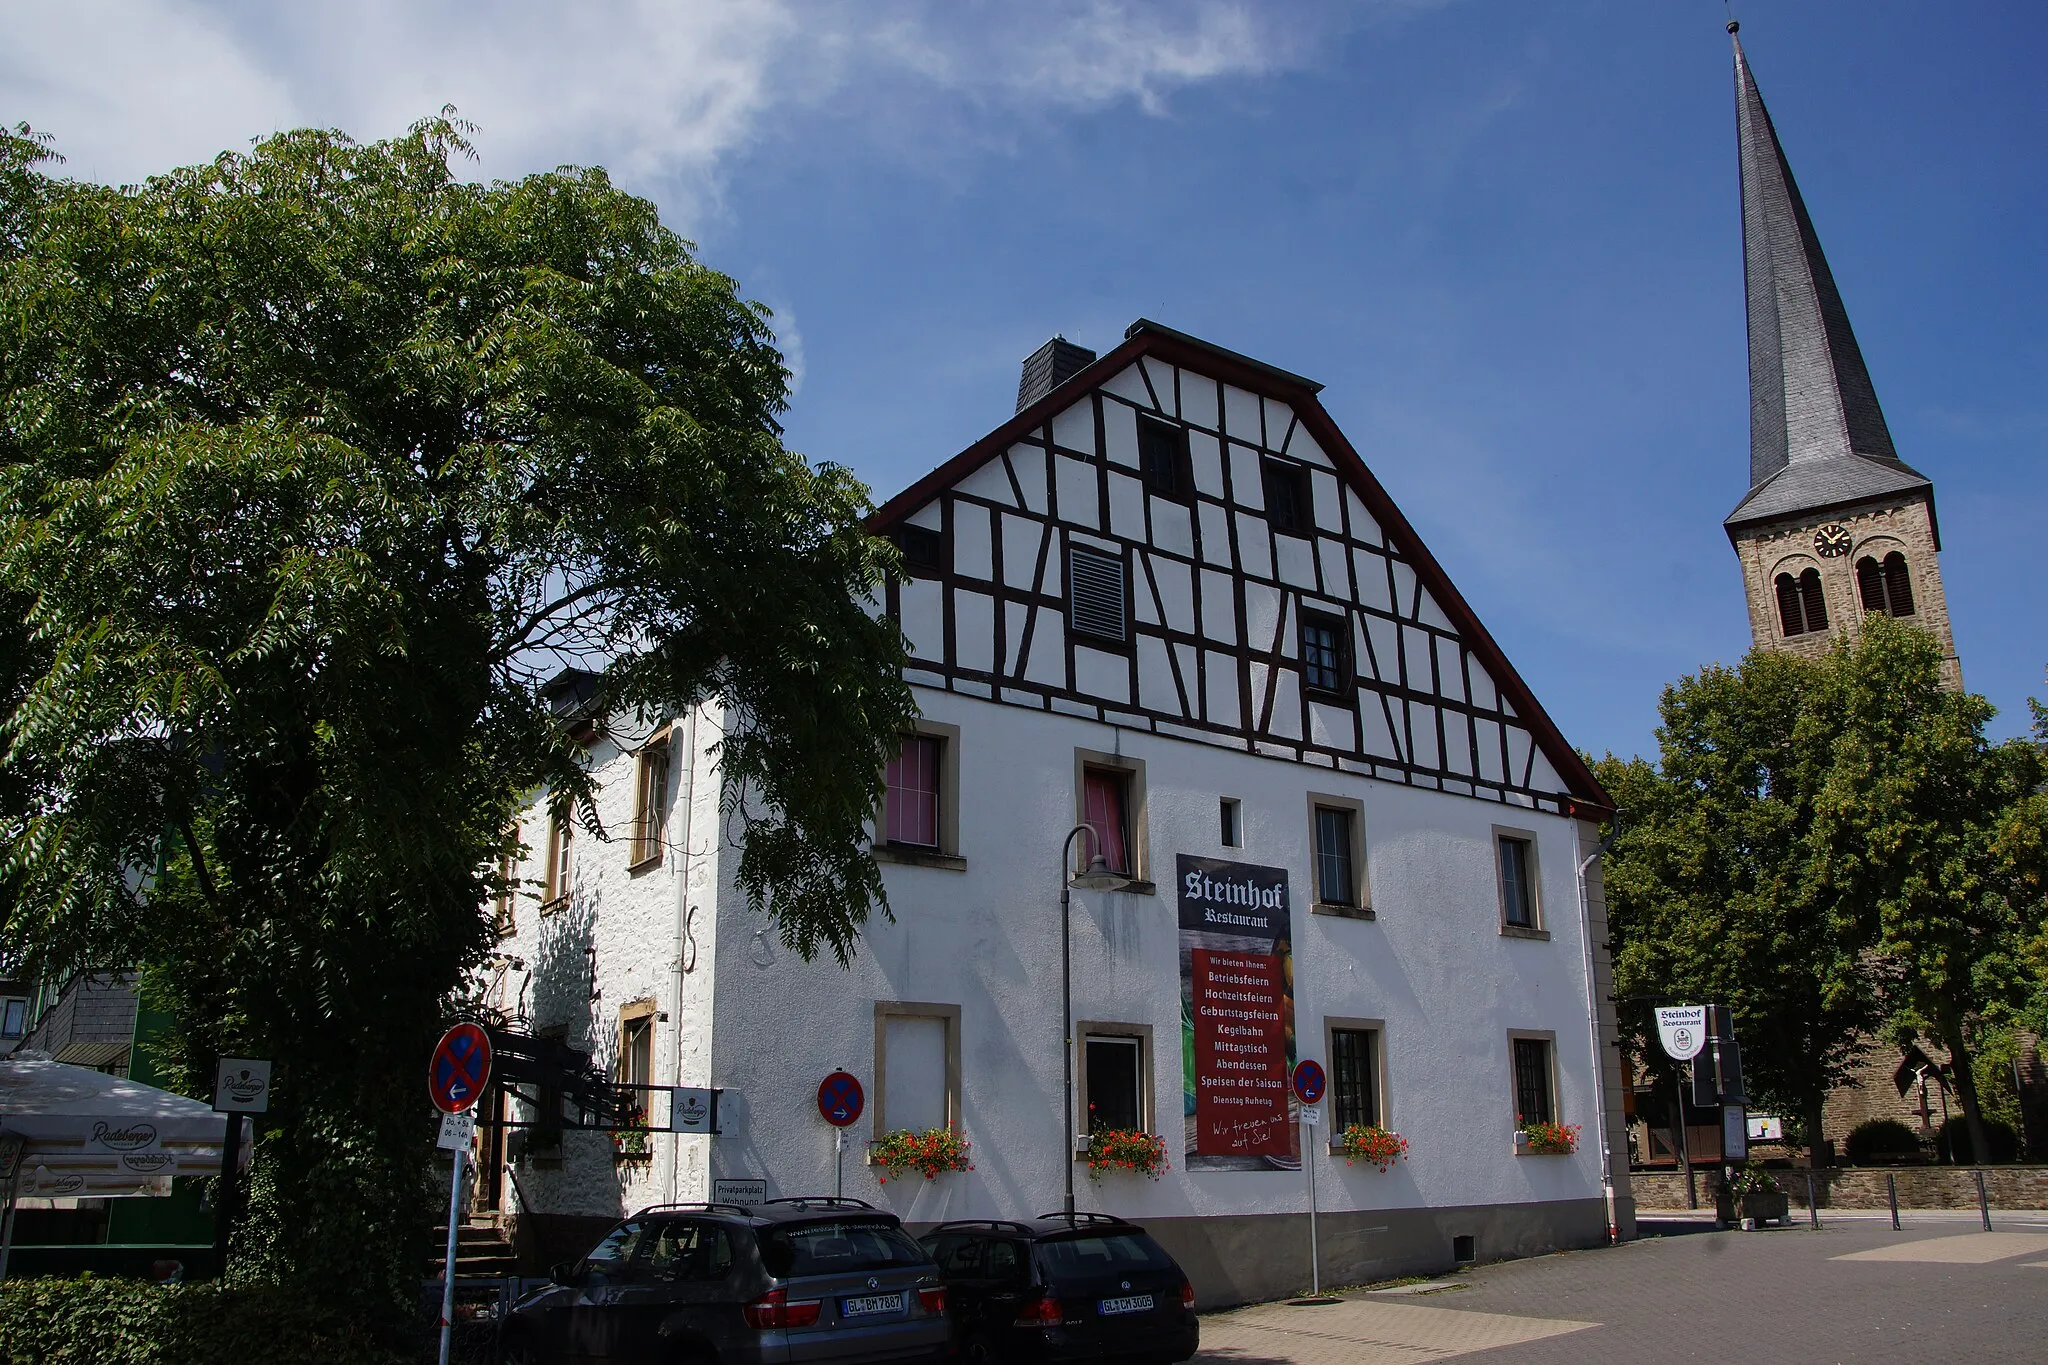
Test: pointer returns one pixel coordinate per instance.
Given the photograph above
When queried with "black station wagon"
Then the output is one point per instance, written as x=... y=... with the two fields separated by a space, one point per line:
x=1063 y=1288
x=791 y=1282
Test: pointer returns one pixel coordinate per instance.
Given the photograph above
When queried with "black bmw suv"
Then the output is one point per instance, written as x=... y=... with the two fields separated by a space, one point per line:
x=1061 y=1288
x=789 y=1282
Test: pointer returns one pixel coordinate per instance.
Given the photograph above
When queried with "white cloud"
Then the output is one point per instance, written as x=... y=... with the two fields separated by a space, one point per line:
x=655 y=91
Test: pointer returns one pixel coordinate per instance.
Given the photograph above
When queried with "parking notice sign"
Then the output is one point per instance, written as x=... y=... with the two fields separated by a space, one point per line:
x=460 y=1069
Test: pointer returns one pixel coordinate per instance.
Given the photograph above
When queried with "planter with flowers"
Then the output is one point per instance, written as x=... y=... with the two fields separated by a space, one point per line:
x=1547 y=1139
x=932 y=1152
x=1370 y=1142
x=1124 y=1149
x=631 y=1145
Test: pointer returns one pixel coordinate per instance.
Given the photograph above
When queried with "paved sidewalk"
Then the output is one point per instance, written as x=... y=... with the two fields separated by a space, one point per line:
x=1940 y=1289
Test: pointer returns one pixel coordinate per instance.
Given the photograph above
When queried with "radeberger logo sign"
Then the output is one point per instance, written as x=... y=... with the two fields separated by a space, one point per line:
x=132 y=1137
x=149 y=1163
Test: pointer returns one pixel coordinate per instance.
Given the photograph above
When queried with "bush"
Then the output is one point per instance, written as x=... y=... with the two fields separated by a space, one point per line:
x=1880 y=1140
x=96 y=1321
x=1953 y=1142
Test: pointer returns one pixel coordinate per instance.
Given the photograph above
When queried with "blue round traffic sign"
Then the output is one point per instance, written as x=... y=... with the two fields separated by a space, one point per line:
x=1309 y=1081
x=840 y=1099
x=460 y=1069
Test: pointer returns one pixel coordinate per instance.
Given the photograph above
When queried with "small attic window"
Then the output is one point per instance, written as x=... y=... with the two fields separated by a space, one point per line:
x=924 y=551
x=1163 y=455
x=1287 y=496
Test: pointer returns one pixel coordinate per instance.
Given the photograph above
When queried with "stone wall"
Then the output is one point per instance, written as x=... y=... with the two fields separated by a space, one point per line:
x=1786 y=546
x=1919 y=1187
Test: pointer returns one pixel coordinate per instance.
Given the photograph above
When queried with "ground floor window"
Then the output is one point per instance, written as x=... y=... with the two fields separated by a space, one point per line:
x=1114 y=1066
x=1354 y=1077
x=1535 y=1101
x=917 y=1066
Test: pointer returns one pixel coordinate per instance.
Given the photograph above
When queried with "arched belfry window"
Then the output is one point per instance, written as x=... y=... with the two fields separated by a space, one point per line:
x=1885 y=586
x=1802 y=608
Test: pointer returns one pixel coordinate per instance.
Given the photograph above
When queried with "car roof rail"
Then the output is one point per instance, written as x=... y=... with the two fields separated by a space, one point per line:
x=999 y=1224
x=822 y=1201
x=1078 y=1217
x=698 y=1206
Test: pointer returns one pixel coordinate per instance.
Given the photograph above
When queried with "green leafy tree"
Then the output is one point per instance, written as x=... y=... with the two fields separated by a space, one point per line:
x=1707 y=888
x=1931 y=833
x=1825 y=845
x=315 y=463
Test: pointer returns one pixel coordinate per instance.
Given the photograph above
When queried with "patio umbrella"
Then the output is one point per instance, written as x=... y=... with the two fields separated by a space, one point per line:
x=76 y=1131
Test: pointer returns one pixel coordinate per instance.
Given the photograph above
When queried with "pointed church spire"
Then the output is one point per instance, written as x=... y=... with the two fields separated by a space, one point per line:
x=1817 y=438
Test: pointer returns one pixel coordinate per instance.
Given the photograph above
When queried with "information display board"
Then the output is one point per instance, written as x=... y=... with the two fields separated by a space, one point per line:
x=1237 y=1016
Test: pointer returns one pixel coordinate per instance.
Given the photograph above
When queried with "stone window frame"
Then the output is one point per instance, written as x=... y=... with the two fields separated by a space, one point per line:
x=1137 y=826
x=885 y=1010
x=1361 y=887
x=1548 y=1037
x=1148 y=1109
x=1382 y=1100
x=947 y=855
x=1538 y=925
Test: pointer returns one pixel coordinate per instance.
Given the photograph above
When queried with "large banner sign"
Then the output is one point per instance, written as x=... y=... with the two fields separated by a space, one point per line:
x=1237 y=1016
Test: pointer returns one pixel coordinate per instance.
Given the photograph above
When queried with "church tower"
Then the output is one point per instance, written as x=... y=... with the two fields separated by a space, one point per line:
x=1834 y=526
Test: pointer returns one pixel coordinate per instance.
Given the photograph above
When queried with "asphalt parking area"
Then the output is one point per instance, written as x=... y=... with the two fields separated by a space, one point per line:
x=1853 y=1290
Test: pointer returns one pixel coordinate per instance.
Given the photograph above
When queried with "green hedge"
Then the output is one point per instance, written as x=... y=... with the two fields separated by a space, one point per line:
x=98 y=1321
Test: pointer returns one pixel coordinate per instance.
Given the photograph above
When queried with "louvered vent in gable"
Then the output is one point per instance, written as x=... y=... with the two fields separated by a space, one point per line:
x=1095 y=594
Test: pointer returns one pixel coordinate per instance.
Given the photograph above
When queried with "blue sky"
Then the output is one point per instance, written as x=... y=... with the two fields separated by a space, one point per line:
x=1505 y=236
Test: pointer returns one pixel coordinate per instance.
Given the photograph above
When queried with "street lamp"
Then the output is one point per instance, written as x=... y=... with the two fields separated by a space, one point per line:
x=1098 y=877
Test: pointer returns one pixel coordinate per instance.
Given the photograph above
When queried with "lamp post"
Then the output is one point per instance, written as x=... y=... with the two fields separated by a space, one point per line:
x=1097 y=877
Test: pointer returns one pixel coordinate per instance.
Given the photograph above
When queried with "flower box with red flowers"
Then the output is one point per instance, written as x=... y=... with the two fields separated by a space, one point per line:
x=1111 y=1150
x=932 y=1153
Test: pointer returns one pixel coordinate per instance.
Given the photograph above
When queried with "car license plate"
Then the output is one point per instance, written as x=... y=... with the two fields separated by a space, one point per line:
x=1136 y=1303
x=871 y=1305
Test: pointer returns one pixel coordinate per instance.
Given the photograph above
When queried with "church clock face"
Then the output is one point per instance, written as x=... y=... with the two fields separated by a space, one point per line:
x=1831 y=541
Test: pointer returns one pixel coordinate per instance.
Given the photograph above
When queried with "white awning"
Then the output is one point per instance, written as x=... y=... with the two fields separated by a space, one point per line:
x=85 y=1132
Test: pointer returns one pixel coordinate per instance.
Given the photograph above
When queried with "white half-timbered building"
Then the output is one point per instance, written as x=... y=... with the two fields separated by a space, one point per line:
x=1168 y=600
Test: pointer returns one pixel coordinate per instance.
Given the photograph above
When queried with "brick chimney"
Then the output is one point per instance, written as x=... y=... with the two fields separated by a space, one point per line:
x=1048 y=367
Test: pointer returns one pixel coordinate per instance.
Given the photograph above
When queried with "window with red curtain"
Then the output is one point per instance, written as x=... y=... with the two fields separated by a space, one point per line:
x=912 y=810
x=1103 y=803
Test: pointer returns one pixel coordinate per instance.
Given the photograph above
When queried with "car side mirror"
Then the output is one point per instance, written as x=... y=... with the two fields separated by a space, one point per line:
x=564 y=1273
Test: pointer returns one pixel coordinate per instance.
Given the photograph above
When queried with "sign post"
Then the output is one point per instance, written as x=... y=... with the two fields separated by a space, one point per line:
x=1309 y=1084
x=840 y=1103
x=456 y=1077
x=241 y=1085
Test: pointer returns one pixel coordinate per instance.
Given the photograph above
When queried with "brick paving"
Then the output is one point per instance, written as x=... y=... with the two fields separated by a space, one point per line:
x=1854 y=1290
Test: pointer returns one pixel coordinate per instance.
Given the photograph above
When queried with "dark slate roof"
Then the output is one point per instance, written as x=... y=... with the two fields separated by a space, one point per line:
x=1817 y=438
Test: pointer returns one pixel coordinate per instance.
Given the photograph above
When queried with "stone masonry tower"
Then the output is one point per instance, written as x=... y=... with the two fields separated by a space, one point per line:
x=1834 y=525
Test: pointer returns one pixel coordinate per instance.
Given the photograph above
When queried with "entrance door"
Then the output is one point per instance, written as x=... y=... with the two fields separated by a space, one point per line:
x=490 y=1160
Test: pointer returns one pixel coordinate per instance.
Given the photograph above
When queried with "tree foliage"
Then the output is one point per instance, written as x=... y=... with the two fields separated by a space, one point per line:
x=1825 y=845
x=315 y=463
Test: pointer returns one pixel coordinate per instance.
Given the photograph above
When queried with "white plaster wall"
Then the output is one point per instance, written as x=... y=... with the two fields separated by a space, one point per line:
x=1433 y=965
x=630 y=917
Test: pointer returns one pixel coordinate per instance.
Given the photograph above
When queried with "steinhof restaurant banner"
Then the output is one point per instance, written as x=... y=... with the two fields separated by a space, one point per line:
x=1237 y=1016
